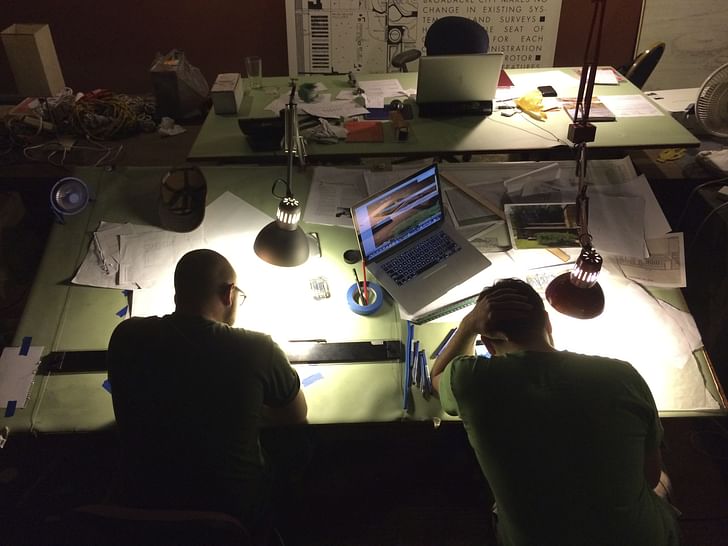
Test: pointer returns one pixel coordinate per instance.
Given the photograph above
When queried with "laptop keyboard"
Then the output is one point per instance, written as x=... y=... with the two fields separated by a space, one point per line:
x=416 y=259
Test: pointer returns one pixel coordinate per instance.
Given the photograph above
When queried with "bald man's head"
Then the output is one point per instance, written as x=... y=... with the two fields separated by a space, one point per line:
x=201 y=278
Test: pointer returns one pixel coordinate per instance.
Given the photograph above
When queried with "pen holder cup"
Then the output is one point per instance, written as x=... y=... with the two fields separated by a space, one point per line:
x=375 y=298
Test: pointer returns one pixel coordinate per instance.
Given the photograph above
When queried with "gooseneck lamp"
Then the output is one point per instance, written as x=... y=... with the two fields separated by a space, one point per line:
x=577 y=293
x=283 y=242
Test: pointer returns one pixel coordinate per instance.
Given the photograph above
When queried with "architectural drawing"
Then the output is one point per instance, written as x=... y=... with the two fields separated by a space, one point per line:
x=363 y=35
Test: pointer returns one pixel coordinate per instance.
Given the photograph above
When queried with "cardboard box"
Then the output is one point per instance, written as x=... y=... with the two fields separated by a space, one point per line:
x=33 y=60
x=227 y=92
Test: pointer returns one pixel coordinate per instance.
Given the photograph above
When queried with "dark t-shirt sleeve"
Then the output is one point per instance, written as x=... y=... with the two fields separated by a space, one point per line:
x=280 y=382
x=653 y=439
x=455 y=369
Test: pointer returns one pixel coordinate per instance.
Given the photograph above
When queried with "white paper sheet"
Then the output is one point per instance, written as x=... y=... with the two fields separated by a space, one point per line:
x=333 y=191
x=675 y=100
x=332 y=109
x=16 y=374
x=655 y=222
x=664 y=268
x=146 y=258
x=630 y=106
x=385 y=88
x=616 y=224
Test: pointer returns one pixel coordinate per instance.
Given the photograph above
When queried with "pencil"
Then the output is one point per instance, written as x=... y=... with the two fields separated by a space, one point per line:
x=358 y=286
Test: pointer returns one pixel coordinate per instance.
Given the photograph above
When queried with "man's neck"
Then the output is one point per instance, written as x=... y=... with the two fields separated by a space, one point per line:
x=541 y=346
x=196 y=313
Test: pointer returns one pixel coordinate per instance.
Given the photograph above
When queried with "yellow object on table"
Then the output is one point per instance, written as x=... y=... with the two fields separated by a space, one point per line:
x=671 y=154
x=532 y=104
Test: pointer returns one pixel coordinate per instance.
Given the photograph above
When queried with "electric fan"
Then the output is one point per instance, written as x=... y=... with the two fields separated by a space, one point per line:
x=711 y=106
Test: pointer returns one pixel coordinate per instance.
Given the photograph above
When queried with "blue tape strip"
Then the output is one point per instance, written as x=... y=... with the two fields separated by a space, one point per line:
x=408 y=366
x=106 y=384
x=25 y=346
x=312 y=379
x=122 y=312
x=10 y=410
x=126 y=293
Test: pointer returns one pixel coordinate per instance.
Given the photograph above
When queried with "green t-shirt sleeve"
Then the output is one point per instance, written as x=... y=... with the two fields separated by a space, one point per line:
x=452 y=372
x=281 y=382
x=655 y=431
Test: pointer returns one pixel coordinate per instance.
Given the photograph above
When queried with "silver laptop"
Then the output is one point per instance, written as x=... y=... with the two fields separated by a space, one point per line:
x=458 y=84
x=407 y=244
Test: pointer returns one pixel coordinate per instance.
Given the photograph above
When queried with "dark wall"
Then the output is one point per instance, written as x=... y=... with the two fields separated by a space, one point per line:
x=619 y=36
x=111 y=44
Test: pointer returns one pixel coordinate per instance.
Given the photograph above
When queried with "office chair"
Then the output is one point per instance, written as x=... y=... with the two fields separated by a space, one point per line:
x=401 y=59
x=114 y=525
x=447 y=36
x=643 y=65
x=456 y=36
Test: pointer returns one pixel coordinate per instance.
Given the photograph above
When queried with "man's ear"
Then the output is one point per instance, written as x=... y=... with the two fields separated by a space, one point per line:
x=227 y=296
x=489 y=345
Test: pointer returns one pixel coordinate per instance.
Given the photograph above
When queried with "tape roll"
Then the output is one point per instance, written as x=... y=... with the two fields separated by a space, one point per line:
x=374 y=293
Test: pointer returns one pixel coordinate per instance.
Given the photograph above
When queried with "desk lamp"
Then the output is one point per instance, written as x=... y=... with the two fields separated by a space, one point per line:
x=577 y=293
x=283 y=242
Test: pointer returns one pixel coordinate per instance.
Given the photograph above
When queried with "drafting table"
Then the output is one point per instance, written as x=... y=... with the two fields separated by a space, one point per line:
x=65 y=317
x=221 y=140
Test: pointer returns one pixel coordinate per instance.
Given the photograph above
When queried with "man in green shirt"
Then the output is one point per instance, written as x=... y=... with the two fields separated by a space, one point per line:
x=189 y=394
x=569 y=443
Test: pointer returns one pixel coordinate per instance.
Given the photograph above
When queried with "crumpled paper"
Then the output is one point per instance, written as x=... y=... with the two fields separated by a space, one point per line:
x=167 y=127
x=325 y=132
x=532 y=104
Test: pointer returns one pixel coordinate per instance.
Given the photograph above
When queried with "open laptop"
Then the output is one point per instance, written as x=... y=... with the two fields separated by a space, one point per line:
x=456 y=85
x=406 y=242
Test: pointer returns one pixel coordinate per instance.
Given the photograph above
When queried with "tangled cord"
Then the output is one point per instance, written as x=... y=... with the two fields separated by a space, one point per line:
x=115 y=116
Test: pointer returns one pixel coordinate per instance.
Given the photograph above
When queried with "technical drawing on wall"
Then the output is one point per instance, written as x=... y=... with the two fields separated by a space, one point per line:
x=340 y=36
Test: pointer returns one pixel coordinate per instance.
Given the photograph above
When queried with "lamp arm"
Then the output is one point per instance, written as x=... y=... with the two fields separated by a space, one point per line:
x=290 y=117
x=589 y=73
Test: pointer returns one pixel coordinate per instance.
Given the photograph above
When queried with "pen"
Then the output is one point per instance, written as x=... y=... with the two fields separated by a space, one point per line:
x=307 y=340
x=358 y=286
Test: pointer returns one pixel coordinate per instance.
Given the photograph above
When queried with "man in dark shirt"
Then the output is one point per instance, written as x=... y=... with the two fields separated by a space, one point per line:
x=189 y=394
x=569 y=443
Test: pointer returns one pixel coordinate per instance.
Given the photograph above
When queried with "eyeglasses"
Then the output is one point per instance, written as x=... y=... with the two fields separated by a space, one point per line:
x=241 y=295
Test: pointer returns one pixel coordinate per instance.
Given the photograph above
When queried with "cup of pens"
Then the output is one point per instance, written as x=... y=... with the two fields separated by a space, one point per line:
x=364 y=298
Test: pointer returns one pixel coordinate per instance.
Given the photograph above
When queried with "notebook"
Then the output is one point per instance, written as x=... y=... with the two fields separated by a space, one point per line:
x=455 y=85
x=415 y=254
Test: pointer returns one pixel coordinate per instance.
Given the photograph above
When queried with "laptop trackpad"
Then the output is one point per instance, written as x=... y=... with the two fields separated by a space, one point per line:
x=433 y=270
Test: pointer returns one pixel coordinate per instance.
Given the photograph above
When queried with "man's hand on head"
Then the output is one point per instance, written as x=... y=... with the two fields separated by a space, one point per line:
x=500 y=305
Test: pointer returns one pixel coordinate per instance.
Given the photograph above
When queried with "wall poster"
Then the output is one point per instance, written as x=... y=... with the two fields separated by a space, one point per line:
x=363 y=35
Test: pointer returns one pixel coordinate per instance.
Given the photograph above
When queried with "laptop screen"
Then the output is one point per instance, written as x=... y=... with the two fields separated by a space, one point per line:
x=398 y=213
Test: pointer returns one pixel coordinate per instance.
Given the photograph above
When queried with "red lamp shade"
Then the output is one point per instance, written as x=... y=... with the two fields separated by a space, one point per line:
x=577 y=293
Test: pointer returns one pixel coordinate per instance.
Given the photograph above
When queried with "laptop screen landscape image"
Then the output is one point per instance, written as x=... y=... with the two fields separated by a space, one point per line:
x=397 y=214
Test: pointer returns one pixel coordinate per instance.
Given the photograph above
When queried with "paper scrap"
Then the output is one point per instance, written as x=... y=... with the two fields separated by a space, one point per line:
x=664 y=268
x=16 y=374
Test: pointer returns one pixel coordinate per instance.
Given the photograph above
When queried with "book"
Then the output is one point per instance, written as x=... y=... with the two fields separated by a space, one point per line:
x=597 y=112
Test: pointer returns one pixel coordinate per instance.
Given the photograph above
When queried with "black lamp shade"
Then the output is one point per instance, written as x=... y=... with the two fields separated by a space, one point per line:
x=577 y=293
x=283 y=242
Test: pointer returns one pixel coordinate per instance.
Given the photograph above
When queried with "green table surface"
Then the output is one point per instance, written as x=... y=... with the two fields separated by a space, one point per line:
x=220 y=138
x=63 y=317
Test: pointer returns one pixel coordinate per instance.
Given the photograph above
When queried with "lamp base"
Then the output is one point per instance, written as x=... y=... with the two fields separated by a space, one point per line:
x=581 y=303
